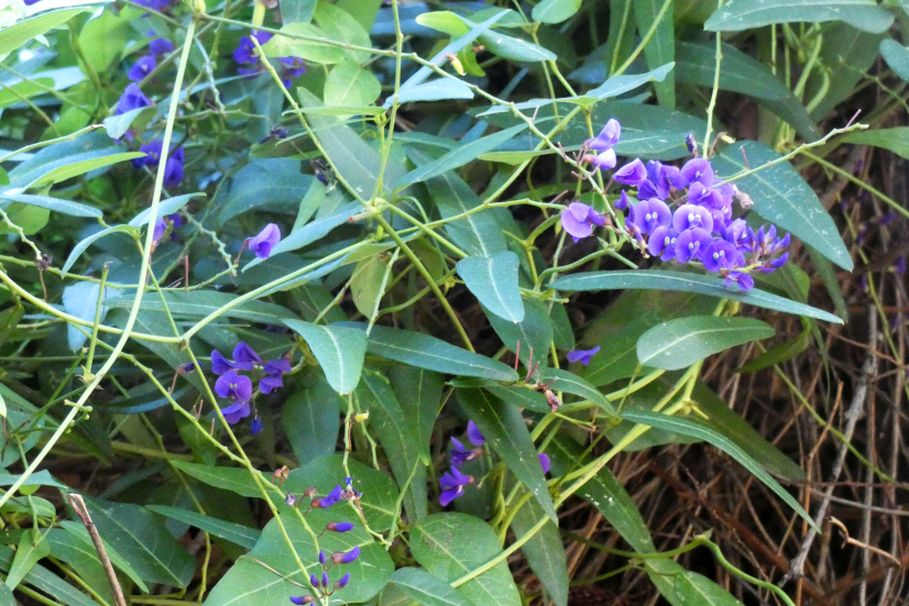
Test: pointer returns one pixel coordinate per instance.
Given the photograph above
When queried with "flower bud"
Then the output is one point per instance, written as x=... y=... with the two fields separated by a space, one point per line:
x=322 y=557
x=343 y=581
x=346 y=557
x=340 y=526
x=301 y=599
x=313 y=580
x=290 y=499
x=324 y=579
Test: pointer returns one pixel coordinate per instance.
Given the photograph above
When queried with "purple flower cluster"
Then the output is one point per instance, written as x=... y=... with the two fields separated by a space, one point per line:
x=249 y=63
x=237 y=388
x=173 y=167
x=453 y=481
x=683 y=215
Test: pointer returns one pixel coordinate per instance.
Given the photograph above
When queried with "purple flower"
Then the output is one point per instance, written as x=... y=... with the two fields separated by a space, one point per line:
x=452 y=485
x=690 y=244
x=607 y=138
x=160 y=46
x=256 y=425
x=236 y=412
x=545 y=462
x=245 y=357
x=265 y=240
x=634 y=173
x=688 y=216
x=578 y=220
x=173 y=168
x=662 y=243
x=245 y=53
x=343 y=581
x=220 y=364
x=346 y=557
x=737 y=278
x=658 y=183
x=720 y=255
x=142 y=67
x=621 y=202
x=340 y=526
x=274 y=375
x=605 y=160
x=459 y=453
x=301 y=599
x=647 y=215
x=132 y=98
x=152 y=151
x=292 y=68
x=473 y=434
x=582 y=355
x=697 y=170
x=235 y=386
x=331 y=498
x=158 y=5
x=325 y=578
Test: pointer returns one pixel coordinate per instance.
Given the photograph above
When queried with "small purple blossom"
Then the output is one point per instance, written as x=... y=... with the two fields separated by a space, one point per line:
x=605 y=160
x=343 y=581
x=578 y=220
x=545 y=462
x=234 y=386
x=220 y=364
x=173 y=167
x=608 y=136
x=720 y=255
x=301 y=600
x=245 y=53
x=143 y=66
x=245 y=357
x=634 y=173
x=274 y=375
x=330 y=499
x=452 y=485
x=263 y=242
x=132 y=98
x=340 y=526
x=647 y=215
x=473 y=434
x=690 y=215
x=459 y=453
x=661 y=243
x=697 y=170
x=346 y=557
x=256 y=426
x=160 y=46
x=690 y=244
x=236 y=412
x=157 y=5
x=584 y=356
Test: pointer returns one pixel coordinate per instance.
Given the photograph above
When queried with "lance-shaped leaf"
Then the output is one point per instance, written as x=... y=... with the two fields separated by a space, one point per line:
x=340 y=351
x=737 y=15
x=494 y=282
x=679 y=343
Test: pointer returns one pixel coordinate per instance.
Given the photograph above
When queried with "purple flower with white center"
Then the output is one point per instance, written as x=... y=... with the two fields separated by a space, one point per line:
x=697 y=170
x=346 y=557
x=545 y=462
x=142 y=67
x=661 y=243
x=647 y=215
x=330 y=499
x=245 y=357
x=740 y=235
x=274 y=375
x=578 y=220
x=634 y=173
x=690 y=244
x=688 y=216
x=236 y=412
x=473 y=434
x=234 y=386
x=608 y=136
x=340 y=526
x=262 y=243
x=452 y=485
x=584 y=356
x=160 y=46
x=721 y=255
x=343 y=581
x=132 y=98
x=605 y=160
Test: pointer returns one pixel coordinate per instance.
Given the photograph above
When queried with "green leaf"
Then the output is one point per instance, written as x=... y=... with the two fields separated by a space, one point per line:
x=555 y=11
x=238 y=534
x=737 y=15
x=201 y=303
x=310 y=47
x=695 y=589
x=894 y=139
x=231 y=479
x=103 y=39
x=847 y=55
x=505 y=431
x=742 y=74
x=534 y=332
x=83 y=244
x=298 y=10
x=420 y=394
x=343 y=27
x=545 y=552
x=79 y=552
x=368 y=282
x=494 y=282
x=679 y=343
x=17 y=35
x=80 y=167
x=424 y=351
x=46 y=581
x=57 y=205
x=781 y=352
x=563 y=380
x=515 y=49
x=459 y=156
x=449 y=545
x=349 y=85
x=782 y=197
x=82 y=541
x=165 y=207
x=656 y=279
x=15 y=93
x=340 y=351
x=661 y=47
x=32 y=547
x=399 y=440
x=144 y=542
x=897 y=57
x=81 y=300
x=438 y=89
x=425 y=589
x=701 y=431
x=312 y=419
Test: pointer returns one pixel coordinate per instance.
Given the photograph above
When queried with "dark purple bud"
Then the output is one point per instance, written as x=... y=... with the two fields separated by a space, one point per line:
x=473 y=434
x=582 y=355
x=346 y=557
x=313 y=580
x=322 y=557
x=545 y=462
x=340 y=526
x=301 y=599
x=330 y=499
x=185 y=369
x=256 y=426
x=160 y=46
x=343 y=581
x=325 y=580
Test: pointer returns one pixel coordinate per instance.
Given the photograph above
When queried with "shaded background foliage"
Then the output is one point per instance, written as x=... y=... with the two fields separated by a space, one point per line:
x=193 y=510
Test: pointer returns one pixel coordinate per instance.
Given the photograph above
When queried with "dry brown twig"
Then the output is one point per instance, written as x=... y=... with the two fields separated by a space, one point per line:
x=78 y=505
